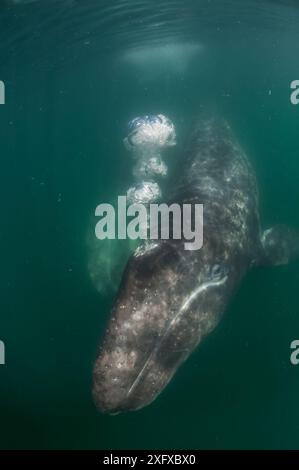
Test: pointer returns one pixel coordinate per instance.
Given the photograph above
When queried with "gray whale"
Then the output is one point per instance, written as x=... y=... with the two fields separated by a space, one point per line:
x=171 y=298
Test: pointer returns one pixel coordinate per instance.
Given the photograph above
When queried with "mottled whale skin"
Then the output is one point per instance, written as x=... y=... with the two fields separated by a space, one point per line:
x=171 y=298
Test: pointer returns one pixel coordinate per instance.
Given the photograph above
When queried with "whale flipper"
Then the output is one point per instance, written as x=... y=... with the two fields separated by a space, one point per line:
x=280 y=245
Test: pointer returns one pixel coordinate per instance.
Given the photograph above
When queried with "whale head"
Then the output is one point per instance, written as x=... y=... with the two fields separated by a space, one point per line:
x=168 y=300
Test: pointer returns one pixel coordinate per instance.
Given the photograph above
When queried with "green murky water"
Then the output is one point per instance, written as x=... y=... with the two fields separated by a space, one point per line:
x=75 y=72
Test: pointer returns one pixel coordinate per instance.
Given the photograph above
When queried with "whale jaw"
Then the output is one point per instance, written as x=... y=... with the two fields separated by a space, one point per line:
x=169 y=300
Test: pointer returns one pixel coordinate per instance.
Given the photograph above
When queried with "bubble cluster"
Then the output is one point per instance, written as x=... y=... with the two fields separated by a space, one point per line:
x=150 y=132
x=147 y=136
x=144 y=192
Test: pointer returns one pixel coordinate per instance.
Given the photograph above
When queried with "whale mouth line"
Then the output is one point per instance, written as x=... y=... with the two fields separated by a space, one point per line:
x=197 y=291
x=184 y=307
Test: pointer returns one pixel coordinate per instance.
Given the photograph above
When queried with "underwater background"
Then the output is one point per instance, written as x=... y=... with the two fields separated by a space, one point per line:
x=75 y=72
